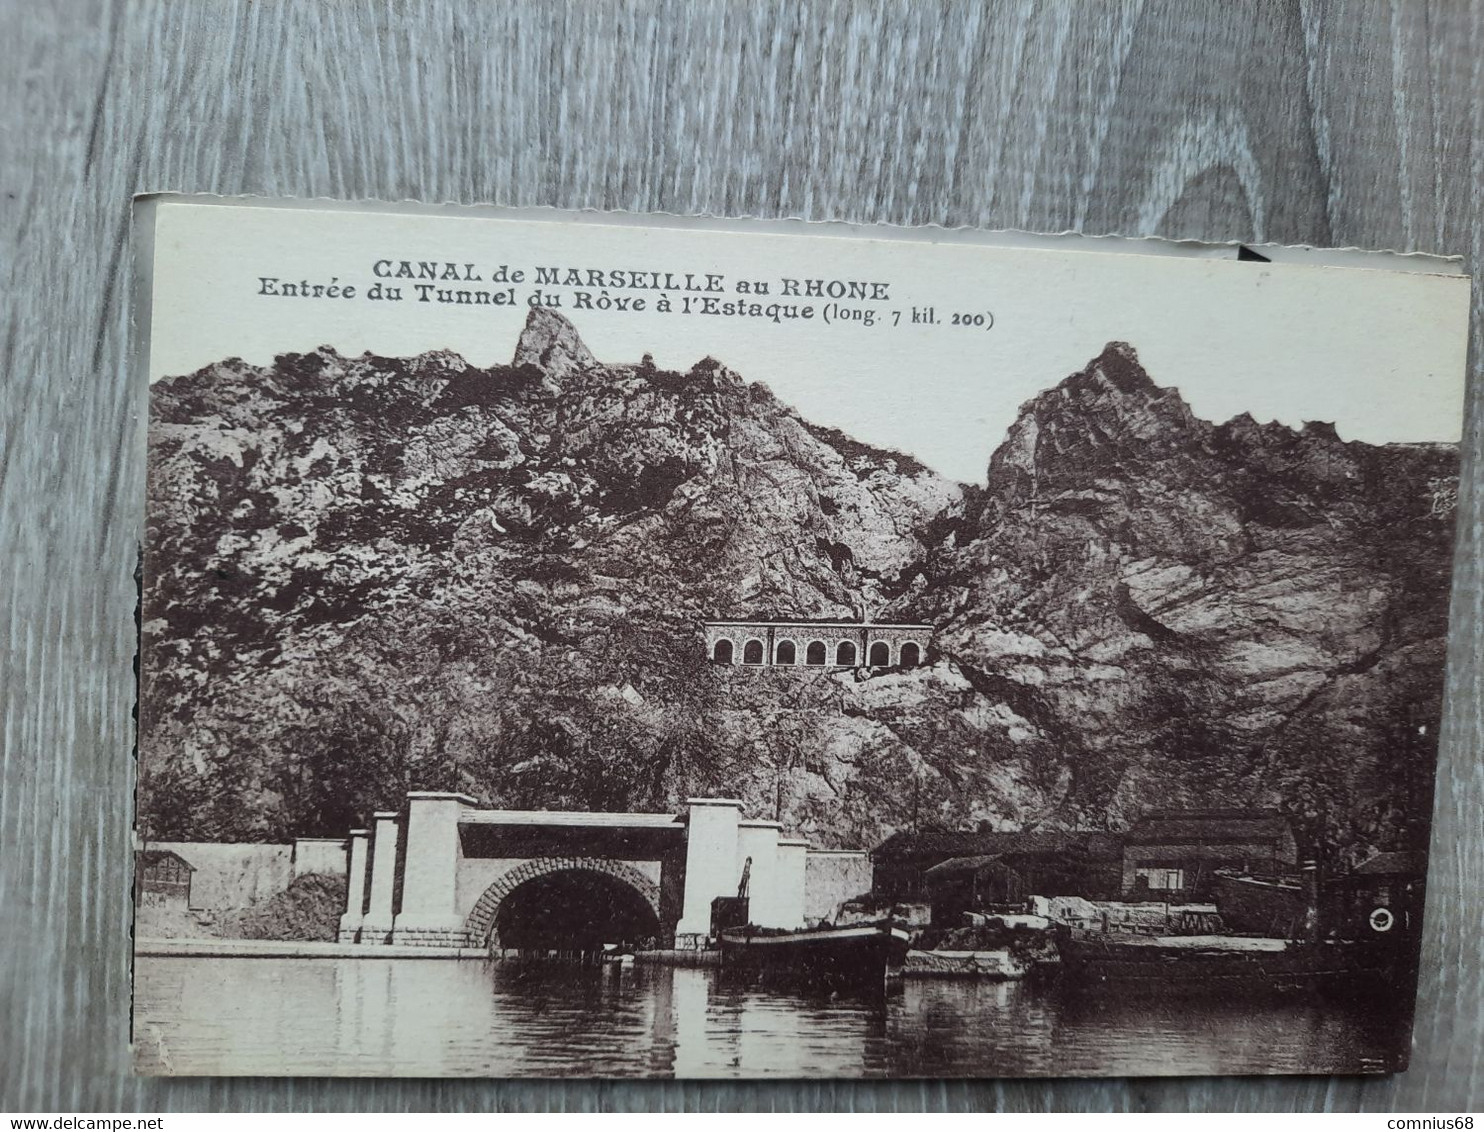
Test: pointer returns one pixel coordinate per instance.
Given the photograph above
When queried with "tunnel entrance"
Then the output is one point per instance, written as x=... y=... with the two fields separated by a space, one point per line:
x=575 y=910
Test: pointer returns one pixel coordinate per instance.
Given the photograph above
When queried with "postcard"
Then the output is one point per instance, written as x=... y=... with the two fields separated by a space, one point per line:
x=577 y=644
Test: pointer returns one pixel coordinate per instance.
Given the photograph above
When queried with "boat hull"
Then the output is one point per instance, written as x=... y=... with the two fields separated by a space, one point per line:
x=862 y=956
x=1233 y=965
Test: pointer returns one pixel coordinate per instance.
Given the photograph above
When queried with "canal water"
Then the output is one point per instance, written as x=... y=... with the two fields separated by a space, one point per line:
x=410 y=1017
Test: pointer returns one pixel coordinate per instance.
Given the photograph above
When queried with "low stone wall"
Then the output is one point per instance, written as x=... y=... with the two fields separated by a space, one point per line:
x=233 y=875
x=430 y=937
x=289 y=949
x=831 y=876
x=323 y=855
x=998 y=963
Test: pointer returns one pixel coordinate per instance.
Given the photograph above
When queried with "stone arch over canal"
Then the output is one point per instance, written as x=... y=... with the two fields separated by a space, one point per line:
x=446 y=872
x=484 y=925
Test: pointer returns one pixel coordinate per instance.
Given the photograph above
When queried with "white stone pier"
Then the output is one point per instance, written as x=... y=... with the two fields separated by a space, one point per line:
x=793 y=861
x=355 y=889
x=377 y=925
x=430 y=915
x=712 y=866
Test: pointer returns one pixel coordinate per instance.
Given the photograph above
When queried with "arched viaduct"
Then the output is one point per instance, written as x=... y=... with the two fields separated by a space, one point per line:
x=802 y=645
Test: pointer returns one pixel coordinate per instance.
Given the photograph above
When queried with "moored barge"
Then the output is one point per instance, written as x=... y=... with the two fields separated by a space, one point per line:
x=1217 y=964
x=865 y=955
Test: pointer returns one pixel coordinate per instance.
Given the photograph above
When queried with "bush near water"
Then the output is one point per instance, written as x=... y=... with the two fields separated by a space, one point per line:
x=309 y=909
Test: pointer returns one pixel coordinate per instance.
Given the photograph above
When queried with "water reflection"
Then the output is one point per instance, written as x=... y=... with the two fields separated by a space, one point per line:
x=438 y=1018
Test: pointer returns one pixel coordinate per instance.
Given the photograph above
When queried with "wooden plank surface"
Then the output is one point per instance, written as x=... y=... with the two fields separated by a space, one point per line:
x=1335 y=123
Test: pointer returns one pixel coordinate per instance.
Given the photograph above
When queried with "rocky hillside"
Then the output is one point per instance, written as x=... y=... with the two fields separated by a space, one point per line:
x=368 y=575
x=1207 y=615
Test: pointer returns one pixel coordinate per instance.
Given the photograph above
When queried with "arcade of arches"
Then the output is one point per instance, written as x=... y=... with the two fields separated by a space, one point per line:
x=781 y=644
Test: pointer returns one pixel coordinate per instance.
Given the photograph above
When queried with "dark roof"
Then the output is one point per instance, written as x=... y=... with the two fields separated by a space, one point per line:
x=1210 y=825
x=1406 y=864
x=949 y=843
x=962 y=865
x=148 y=858
x=941 y=845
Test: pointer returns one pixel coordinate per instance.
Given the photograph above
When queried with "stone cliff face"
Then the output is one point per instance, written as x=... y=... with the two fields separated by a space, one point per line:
x=367 y=575
x=1207 y=614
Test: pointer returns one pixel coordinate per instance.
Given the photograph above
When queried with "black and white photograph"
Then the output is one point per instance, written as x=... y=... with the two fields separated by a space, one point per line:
x=617 y=646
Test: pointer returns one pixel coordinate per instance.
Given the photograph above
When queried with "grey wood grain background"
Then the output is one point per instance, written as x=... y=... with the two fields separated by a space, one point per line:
x=1339 y=124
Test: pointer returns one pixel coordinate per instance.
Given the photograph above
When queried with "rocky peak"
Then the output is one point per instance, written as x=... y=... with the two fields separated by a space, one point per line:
x=1120 y=397
x=1321 y=430
x=1104 y=414
x=551 y=343
x=1115 y=371
x=712 y=374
